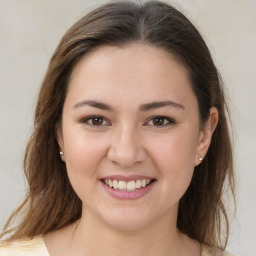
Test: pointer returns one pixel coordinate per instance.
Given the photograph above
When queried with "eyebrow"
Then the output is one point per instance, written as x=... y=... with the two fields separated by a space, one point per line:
x=160 y=104
x=95 y=104
x=143 y=107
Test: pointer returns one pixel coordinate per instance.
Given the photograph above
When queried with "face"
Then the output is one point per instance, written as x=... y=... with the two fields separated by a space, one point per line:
x=130 y=118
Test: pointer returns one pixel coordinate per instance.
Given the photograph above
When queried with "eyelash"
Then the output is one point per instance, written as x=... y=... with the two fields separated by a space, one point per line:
x=90 y=119
x=167 y=121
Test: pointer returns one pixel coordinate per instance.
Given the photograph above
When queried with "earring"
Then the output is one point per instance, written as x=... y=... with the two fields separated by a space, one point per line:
x=61 y=155
x=200 y=159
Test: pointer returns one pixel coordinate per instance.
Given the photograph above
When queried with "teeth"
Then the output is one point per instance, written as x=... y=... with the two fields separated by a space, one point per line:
x=131 y=185
x=122 y=184
x=115 y=184
x=138 y=183
x=127 y=186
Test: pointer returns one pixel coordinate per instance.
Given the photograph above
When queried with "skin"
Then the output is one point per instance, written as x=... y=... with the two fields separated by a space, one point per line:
x=129 y=141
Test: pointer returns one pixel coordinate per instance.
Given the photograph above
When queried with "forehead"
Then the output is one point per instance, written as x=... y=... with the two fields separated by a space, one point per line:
x=132 y=72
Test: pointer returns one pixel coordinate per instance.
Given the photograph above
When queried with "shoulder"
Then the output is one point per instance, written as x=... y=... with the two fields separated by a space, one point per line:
x=22 y=247
x=210 y=251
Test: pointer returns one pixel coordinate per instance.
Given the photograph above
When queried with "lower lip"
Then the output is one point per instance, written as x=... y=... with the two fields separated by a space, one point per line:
x=126 y=195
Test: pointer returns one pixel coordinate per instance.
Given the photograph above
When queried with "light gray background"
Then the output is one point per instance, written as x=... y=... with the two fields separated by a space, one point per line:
x=29 y=33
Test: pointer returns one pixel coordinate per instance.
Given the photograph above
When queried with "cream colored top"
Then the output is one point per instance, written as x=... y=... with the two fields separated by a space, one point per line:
x=37 y=247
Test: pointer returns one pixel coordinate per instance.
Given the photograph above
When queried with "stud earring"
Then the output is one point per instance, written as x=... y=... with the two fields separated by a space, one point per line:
x=200 y=159
x=61 y=155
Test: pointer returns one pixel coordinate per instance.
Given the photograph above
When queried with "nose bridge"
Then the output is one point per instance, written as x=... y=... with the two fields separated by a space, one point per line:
x=126 y=146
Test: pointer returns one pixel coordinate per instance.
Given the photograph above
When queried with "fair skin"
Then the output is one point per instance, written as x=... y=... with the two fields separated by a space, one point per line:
x=110 y=127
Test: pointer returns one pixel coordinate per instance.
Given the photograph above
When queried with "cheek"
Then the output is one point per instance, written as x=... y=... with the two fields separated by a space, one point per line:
x=178 y=148
x=81 y=147
x=174 y=156
x=83 y=155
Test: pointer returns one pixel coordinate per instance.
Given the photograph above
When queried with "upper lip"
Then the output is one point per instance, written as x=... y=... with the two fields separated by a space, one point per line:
x=128 y=178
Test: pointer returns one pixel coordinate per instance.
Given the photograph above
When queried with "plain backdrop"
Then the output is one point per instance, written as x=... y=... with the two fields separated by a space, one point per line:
x=30 y=31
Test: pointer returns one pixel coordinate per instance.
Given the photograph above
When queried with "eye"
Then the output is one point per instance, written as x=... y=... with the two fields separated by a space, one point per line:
x=95 y=121
x=160 y=121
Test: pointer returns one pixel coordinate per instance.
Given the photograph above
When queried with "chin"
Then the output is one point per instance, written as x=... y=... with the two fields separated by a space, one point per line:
x=128 y=220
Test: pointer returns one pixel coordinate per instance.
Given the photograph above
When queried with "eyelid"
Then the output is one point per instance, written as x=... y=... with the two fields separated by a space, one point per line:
x=86 y=119
x=170 y=121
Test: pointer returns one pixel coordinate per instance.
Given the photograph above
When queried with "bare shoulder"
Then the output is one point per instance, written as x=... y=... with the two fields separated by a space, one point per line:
x=209 y=251
x=22 y=247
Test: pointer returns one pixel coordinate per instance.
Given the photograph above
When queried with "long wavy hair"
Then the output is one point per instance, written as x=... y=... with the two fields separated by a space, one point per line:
x=51 y=202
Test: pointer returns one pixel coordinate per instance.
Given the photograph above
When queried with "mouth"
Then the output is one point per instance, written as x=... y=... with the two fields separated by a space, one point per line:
x=128 y=186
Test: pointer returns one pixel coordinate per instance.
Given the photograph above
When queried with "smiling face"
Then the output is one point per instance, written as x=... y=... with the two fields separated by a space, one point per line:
x=130 y=115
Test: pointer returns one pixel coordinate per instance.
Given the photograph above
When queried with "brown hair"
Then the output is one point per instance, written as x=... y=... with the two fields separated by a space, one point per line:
x=51 y=203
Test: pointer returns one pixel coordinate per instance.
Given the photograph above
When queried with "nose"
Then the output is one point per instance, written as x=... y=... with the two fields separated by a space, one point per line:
x=126 y=148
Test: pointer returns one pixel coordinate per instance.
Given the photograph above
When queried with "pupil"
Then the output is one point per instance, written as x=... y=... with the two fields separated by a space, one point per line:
x=97 y=120
x=158 y=121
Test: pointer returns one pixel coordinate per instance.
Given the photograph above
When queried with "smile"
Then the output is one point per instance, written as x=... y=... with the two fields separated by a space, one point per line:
x=131 y=185
x=128 y=187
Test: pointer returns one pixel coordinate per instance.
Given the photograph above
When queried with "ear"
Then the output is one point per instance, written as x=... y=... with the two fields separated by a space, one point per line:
x=59 y=138
x=205 y=135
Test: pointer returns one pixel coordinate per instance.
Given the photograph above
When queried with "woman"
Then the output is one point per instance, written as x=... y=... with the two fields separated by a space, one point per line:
x=130 y=150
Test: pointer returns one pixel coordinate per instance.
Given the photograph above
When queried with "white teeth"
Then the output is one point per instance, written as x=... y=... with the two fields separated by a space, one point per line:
x=138 y=183
x=131 y=185
x=127 y=186
x=115 y=184
x=122 y=184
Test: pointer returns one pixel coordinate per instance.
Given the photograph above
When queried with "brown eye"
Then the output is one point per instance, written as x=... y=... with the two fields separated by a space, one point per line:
x=97 y=120
x=158 y=121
